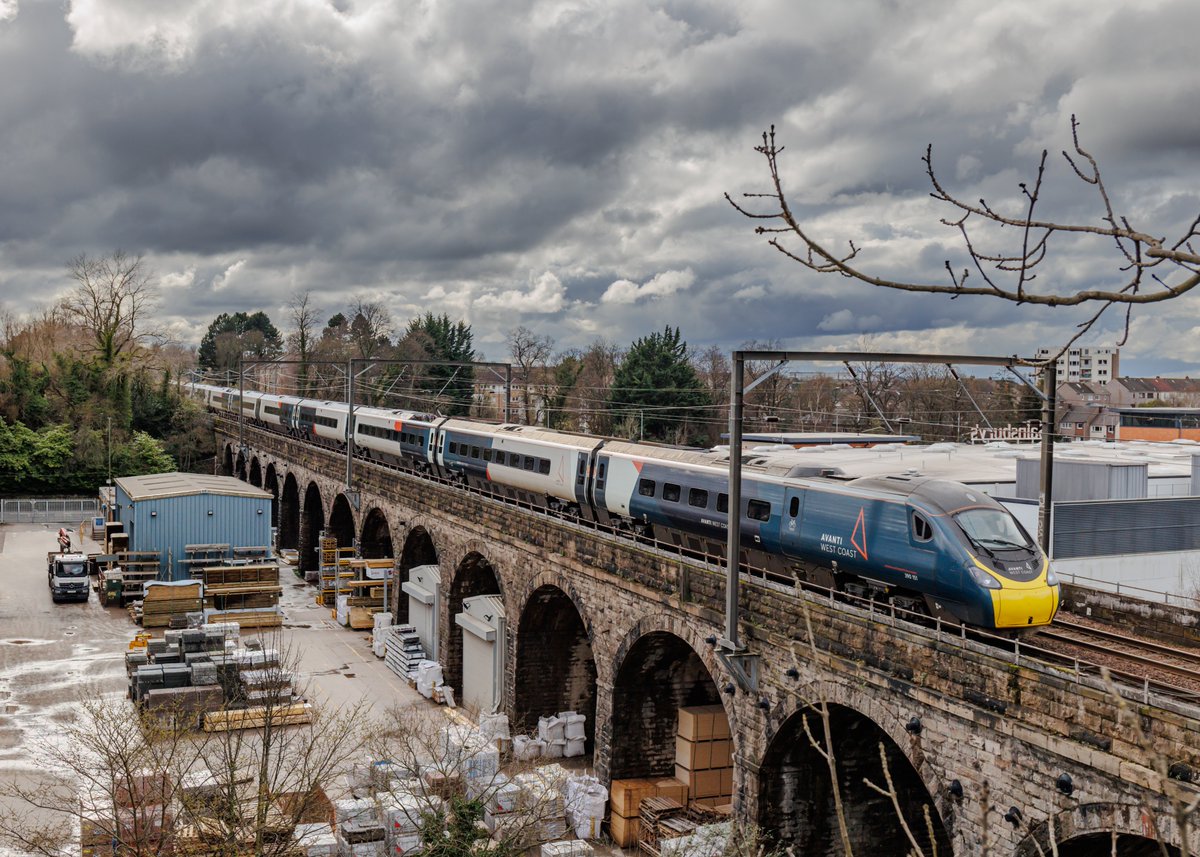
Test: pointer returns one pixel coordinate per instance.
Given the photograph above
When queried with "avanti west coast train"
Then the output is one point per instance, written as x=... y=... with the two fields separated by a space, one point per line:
x=928 y=545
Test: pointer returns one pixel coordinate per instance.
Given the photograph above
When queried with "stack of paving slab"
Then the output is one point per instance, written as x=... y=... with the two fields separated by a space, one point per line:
x=175 y=675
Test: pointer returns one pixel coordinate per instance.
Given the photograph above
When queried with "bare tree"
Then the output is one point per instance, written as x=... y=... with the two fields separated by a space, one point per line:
x=1005 y=250
x=302 y=313
x=528 y=351
x=370 y=328
x=112 y=298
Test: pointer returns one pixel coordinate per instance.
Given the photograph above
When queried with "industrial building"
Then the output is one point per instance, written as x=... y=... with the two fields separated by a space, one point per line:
x=169 y=512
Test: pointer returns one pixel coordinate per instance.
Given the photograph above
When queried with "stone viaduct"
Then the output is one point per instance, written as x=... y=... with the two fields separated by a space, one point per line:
x=621 y=632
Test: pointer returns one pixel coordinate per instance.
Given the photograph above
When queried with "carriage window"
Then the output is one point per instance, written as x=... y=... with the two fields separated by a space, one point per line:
x=582 y=471
x=487 y=455
x=514 y=460
x=758 y=510
x=646 y=487
x=529 y=462
x=922 y=529
x=670 y=492
x=600 y=476
x=722 y=502
x=698 y=497
x=453 y=448
x=543 y=466
x=794 y=507
x=474 y=452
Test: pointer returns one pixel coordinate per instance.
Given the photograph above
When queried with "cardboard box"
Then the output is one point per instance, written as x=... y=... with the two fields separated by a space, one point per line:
x=695 y=723
x=722 y=753
x=726 y=781
x=720 y=727
x=671 y=788
x=627 y=795
x=625 y=831
x=693 y=755
x=700 y=783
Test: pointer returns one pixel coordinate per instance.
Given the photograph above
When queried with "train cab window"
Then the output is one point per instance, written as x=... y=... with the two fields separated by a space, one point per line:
x=475 y=452
x=544 y=466
x=723 y=503
x=922 y=529
x=758 y=510
x=530 y=462
x=698 y=497
x=794 y=507
x=646 y=487
x=670 y=492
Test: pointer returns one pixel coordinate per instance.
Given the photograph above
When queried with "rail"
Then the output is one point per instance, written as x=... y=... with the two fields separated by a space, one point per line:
x=1131 y=686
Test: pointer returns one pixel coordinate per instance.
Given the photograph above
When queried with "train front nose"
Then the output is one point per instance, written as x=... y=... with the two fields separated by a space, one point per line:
x=1023 y=608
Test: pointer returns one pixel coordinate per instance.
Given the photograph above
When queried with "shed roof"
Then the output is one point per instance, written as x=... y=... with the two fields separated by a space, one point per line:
x=158 y=485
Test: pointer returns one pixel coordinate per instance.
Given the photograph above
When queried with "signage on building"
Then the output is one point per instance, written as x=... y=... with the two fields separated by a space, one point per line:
x=1031 y=432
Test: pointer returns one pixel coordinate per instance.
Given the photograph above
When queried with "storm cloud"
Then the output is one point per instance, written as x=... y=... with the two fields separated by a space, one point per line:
x=561 y=165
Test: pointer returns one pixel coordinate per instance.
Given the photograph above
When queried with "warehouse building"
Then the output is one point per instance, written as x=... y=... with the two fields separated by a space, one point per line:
x=169 y=512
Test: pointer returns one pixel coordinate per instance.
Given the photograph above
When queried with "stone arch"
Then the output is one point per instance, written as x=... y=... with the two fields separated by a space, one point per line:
x=796 y=798
x=660 y=666
x=418 y=550
x=473 y=576
x=240 y=466
x=289 y=514
x=312 y=522
x=1087 y=830
x=375 y=541
x=227 y=461
x=341 y=522
x=555 y=666
x=271 y=485
x=256 y=478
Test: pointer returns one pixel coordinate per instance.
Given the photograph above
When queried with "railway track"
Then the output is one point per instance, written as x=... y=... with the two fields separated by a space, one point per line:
x=1144 y=663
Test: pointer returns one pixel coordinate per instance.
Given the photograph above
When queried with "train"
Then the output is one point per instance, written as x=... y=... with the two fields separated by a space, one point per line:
x=931 y=546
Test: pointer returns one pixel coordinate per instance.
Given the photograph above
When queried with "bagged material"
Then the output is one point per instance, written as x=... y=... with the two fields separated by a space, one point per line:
x=586 y=801
x=551 y=729
x=573 y=724
x=574 y=747
x=567 y=848
x=429 y=676
x=316 y=840
x=493 y=726
x=708 y=840
x=554 y=749
x=343 y=610
x=526 y=748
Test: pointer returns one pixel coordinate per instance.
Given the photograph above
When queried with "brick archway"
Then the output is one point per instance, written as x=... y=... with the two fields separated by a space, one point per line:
x=554 y=666
x=474 y=575
x=1087 y=829
x=661 y=664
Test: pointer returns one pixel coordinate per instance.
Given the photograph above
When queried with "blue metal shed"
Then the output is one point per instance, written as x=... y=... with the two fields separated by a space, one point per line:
x=165 y=511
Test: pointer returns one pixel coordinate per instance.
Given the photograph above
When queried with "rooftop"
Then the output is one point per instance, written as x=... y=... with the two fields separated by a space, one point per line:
x=158 y=485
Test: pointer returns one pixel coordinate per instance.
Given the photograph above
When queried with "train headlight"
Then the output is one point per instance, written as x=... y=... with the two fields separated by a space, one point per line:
x=983 y=578
x=1051 y=577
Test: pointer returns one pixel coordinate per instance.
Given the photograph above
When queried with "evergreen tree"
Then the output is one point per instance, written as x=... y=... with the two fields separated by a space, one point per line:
x=656 y=391
x=452 y=387
x=230 y=335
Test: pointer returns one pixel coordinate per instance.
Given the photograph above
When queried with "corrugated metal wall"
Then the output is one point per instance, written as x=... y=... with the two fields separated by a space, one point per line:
x=168 y=524
x=1118 y=527
x=1084 y=480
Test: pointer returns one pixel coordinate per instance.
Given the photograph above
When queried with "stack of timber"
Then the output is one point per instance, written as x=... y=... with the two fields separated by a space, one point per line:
x=258 y=716
x=166 y=604
x=121 y=583
x=246 y=594
x=198 y=557
x=662 y=818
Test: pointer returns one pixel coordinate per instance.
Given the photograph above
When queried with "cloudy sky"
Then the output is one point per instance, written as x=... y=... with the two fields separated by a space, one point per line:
x=560 y=164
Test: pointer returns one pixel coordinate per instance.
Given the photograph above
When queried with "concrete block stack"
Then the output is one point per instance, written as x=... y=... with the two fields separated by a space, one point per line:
x=703 y=754
x=567 y=848
x=360 y=828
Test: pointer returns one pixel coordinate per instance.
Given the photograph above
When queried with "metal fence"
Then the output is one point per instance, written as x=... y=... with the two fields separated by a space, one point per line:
x=66 y=510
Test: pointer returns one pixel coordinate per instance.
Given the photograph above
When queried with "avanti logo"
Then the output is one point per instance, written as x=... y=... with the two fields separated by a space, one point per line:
x=858 y=538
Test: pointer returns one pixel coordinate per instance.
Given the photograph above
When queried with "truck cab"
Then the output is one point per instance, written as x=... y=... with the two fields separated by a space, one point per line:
x=67 y=575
